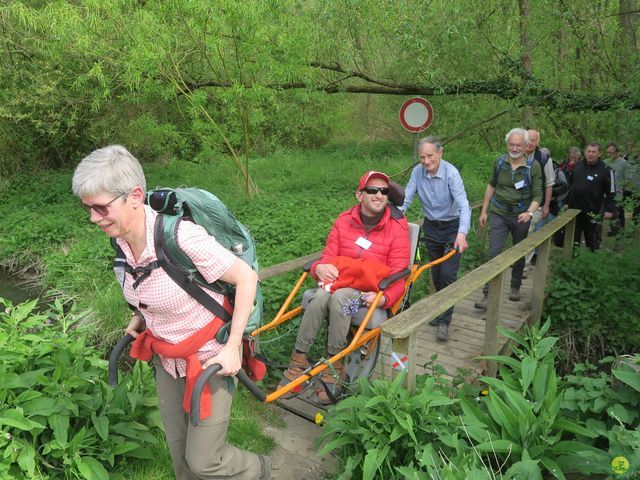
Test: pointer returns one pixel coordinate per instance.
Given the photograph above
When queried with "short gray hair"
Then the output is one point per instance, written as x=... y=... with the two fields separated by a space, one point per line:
x=574 y=150
x=430 y=140
x=518 y=131
x=110 y=169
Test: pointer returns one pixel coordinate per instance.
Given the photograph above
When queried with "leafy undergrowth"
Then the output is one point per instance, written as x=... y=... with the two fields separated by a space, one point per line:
x=527 y=423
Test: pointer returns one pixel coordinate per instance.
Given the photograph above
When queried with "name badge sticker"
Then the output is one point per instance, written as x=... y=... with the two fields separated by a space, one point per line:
x=519 y=184
x=590 y=178
x=363 y=243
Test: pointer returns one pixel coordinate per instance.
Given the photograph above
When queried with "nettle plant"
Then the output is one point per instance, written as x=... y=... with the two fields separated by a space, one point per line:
x=58 y=416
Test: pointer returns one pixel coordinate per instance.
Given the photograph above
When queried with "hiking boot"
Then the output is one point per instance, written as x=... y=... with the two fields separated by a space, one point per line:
x=330 y=383
x=265 y=467
x=443 y=332
x=297 y=365
x=435 y=322
x=482 y=303
x=514 y=296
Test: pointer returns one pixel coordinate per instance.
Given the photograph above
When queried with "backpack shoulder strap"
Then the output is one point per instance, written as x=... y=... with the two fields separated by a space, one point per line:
x=529 y=165
x=499 y=165
x=184 y=278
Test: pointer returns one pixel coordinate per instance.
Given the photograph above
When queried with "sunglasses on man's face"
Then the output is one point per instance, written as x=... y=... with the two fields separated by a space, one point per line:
x=102 y=210
x=374 y=190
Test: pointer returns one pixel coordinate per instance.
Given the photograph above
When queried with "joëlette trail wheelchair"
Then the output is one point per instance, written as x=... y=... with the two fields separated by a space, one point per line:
x=360 y=355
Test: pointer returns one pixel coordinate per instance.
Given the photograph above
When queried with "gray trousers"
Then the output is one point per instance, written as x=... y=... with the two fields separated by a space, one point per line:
x=322 y=306
x=499 y=228
x=201 y=452
x=439 y=236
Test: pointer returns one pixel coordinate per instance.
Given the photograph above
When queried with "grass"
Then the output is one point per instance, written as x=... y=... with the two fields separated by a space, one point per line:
x=299 y=195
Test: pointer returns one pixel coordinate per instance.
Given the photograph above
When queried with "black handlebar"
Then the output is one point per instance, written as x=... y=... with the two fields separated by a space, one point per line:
x=204 y=378
x=115 y=355
x=200 y=382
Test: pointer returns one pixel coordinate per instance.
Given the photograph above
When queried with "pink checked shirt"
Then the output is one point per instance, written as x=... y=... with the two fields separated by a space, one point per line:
x=169 y=312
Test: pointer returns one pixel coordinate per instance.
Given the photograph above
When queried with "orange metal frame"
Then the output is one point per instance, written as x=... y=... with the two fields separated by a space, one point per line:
x=360 y=337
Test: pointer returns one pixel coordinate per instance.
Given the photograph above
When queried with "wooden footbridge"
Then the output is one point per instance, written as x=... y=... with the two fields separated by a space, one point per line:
x=473 y=332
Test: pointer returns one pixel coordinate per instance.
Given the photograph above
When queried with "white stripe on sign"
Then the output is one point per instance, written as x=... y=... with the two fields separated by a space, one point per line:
x=398 y=362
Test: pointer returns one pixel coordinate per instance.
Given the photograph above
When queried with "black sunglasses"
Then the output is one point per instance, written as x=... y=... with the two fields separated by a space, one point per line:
x=374 y=190
x=102 y=210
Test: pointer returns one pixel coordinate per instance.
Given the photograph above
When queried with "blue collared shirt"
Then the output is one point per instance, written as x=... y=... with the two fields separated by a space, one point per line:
x=442 y=195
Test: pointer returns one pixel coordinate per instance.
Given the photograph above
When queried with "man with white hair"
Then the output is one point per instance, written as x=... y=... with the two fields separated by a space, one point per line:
x=512 y=195
x=541 y=216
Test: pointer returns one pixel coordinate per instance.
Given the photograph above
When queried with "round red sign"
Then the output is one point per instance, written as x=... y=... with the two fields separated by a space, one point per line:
x=416 y=114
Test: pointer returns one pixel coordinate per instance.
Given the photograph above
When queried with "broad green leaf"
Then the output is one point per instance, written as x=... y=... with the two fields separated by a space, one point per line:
x=499 y=446
x=630 y=378
x=512 y=362
x=41 y=406
x=125 y=447
x=91 y=469
x=569 y=426
x=27 y=459
x=529 y=365
x=552 y=467
x=101 y=425
x=15 y=418
x=59 y=423
x=619 y=412
x=545 y=345
x=370 y=466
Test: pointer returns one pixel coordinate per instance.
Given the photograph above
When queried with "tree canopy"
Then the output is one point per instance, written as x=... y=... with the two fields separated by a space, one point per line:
x=193 y=78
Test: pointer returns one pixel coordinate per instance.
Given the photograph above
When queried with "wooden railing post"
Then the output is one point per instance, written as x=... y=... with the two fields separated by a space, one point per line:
x=408 y=346
x=494 y=314
x=540 y=280
x=569 y=230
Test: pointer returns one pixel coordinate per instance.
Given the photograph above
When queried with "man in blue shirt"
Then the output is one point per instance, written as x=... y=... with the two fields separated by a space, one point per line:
x=447 y=216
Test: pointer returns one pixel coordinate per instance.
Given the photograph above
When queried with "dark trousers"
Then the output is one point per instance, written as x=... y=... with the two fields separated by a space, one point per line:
x=587 y=224
x=440 y=236
x=499 y=229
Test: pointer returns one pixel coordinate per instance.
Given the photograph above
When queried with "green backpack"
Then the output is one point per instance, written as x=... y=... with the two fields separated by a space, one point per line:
x=206 y=210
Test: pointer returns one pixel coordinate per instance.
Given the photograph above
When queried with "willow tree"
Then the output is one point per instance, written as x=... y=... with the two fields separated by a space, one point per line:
x=196 y=78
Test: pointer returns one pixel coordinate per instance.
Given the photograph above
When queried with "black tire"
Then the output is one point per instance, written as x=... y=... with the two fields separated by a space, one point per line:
x=359 y=364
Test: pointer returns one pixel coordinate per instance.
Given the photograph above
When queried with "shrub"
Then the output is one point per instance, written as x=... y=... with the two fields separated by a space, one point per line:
x=56 y=410
x=593 y=301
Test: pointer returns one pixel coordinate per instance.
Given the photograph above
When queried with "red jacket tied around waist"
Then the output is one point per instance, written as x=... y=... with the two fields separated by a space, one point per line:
x=146 y=345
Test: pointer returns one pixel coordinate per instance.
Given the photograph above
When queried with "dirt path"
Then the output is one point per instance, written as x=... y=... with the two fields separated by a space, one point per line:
x=295 y=456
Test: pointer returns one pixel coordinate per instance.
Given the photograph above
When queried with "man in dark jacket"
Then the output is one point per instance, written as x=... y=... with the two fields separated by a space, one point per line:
x=592 y=190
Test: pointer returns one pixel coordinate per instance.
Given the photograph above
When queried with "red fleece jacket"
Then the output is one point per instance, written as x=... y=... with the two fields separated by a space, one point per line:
x=359 y=273
x=389 y=245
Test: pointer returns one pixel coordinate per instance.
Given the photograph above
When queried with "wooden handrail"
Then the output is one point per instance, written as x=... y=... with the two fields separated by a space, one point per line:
x=428 y=308
x=403 y=328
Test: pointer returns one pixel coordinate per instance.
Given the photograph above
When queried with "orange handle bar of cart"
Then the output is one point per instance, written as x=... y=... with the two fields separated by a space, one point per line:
x=358 y=340
x=435 y=262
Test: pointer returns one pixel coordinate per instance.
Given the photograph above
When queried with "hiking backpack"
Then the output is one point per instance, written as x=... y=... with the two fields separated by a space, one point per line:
x=206 y=210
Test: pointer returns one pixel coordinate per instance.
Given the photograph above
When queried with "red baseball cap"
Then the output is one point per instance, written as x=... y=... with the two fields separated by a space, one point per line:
x=370 y=175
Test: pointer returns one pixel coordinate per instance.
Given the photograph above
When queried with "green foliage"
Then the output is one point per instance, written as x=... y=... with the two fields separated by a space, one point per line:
x=593 y=301
x=385 y=426
x=56 y=410
x=528 y=423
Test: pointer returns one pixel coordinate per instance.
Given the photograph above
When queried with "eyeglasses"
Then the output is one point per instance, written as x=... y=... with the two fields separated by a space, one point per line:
x=102 y=210
x=374 y=190
x=515 y=145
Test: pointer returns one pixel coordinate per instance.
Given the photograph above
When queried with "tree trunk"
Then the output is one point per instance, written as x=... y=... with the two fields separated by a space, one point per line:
x=525 y=54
